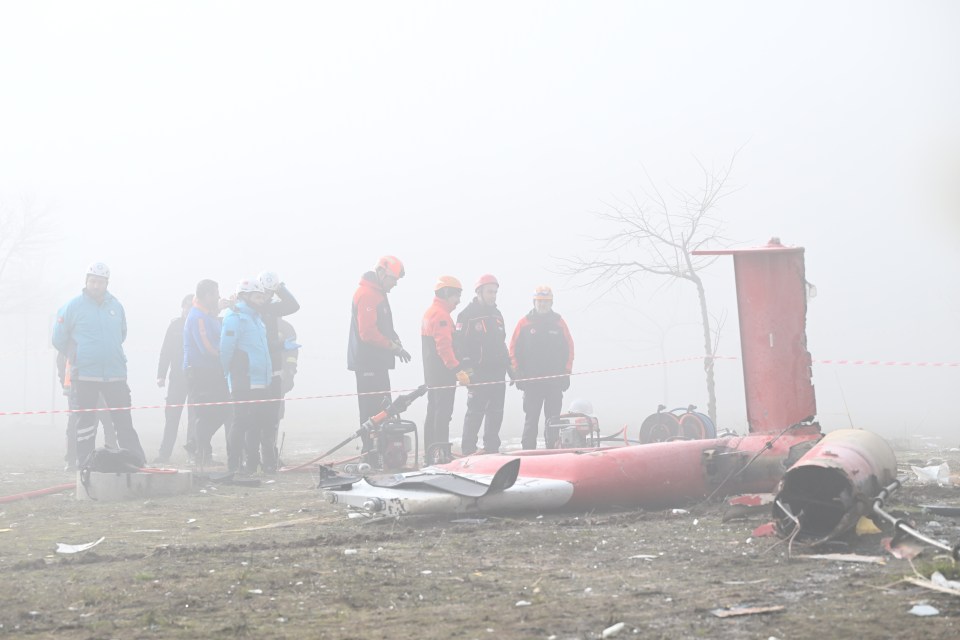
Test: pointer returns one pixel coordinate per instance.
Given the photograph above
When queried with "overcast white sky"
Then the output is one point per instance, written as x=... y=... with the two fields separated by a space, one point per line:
x=182 y=140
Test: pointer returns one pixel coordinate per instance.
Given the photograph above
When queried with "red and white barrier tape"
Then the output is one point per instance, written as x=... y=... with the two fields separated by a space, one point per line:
x=355 y=394
x=888 y=363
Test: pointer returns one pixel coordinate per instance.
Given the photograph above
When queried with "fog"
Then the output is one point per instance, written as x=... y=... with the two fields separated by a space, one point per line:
x=177 y=141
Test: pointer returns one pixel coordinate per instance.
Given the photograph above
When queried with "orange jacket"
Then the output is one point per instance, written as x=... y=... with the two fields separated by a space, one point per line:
x=439 y=360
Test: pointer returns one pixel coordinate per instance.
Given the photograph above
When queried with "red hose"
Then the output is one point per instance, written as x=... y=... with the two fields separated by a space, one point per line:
x=60 y=488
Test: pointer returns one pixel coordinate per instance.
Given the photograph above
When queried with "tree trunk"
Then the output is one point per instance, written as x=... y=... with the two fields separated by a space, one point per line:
x=707 y=347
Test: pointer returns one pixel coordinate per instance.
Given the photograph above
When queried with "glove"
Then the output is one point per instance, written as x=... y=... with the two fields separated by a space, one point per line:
x=564 y=383
x=463 y=377
x=402 y=354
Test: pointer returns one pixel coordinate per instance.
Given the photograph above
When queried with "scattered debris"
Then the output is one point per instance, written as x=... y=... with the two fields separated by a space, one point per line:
x=732 y=612
x=939 y=474
x=903 y=548
x=523 y=603
x=942 y=509
x=924 y=610
x=845 y=557
x=866 y=527
x=937 y=582
x=274 y=525
x=746 y=505
x=612 y=630
x=77 y=548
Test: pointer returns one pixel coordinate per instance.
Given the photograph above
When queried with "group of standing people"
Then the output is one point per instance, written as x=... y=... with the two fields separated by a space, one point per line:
x=472 y=351
x=235 y=359
x=240 y=349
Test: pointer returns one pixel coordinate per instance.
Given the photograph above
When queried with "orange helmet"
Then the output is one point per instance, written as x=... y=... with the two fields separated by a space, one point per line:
x=392 y=266
x=486 y=278
x=543 y=292
x=447 y=281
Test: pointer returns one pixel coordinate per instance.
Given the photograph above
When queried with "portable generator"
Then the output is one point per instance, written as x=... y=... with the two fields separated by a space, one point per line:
x=392 y=444
x=572 y=431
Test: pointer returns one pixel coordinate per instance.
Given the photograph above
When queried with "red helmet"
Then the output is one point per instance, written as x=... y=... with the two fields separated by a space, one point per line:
x=392 y=266
x=487 y=278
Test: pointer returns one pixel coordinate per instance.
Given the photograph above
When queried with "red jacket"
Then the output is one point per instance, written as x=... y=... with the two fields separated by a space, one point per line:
x=541 y=346
x=440 y=363
x=371 y=328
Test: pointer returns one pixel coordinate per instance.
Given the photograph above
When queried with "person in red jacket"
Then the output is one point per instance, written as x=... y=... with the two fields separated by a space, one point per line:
x=441 y=369
x=374 y=345
x=541 y=346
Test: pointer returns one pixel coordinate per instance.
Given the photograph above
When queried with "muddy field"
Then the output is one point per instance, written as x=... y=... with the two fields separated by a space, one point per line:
x=276 y=561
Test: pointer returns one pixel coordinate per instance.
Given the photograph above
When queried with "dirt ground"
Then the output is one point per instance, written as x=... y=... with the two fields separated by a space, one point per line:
x=277 y=561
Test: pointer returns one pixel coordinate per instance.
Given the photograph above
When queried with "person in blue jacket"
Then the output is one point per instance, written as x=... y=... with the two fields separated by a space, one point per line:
x=206 y=383
x=245 y=358
x=89 y=332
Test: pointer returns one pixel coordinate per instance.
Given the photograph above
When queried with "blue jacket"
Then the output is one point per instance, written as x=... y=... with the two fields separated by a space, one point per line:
x=244 y=352
x=201 y=340
x=91 y=334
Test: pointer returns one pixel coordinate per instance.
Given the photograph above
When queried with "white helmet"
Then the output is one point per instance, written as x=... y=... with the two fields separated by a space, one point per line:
x=581 y=405
x=99 y=269
x=249 y=286
x=269 y=279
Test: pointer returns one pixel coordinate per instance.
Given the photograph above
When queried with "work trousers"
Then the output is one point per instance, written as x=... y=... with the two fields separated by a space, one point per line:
x=115 y=394
x=540 y=395
x=265 y=439
x=109 y=432
x=436 y=426
x=176 y=395
x=249 y=421
x=206 y=385
x=377 y=385
x=484 y=406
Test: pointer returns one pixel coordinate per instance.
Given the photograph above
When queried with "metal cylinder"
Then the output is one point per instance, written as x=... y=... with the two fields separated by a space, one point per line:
x=834 y=484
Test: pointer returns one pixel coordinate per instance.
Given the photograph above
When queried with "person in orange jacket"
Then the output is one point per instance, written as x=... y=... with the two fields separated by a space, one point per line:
x=441 y=369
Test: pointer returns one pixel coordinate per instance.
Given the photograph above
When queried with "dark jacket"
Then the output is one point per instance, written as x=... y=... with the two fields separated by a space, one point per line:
x=371 y=328
x=541 y=345
x=171 y=351
x=480 y=341
x=290 y=354
x=271 y=313
x=440 y=363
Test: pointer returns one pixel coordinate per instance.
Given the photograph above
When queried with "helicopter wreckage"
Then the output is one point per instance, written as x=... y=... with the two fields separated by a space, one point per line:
x=823 y=484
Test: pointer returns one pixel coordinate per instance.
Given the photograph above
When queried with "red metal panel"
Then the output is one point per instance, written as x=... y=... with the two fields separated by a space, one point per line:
x=772 y=305
x=650 y=475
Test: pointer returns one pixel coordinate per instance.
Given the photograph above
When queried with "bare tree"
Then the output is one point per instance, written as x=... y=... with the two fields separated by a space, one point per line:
x=657 y=237
x=25 y=231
